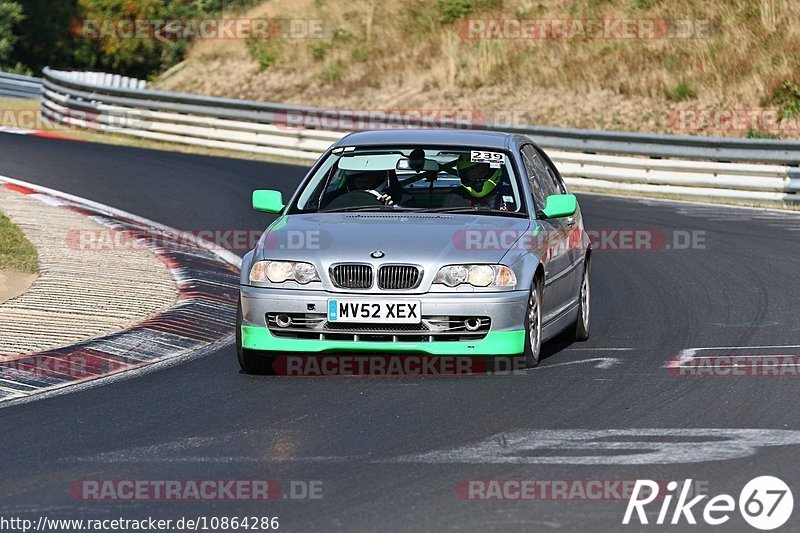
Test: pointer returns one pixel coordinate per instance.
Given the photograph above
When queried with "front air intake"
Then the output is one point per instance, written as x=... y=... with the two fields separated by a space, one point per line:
x=398 y=277
x=352 y=276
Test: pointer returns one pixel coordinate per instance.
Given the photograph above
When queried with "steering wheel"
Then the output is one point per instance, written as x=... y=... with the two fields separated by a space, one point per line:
x=374 y=193
x=356 y=199
x=379 y=195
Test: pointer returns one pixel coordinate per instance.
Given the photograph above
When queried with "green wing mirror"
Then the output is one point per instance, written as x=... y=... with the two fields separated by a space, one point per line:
x=268 y=201
x=559 y=205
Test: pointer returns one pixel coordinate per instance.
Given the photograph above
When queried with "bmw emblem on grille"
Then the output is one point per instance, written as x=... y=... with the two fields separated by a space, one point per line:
x=377 y=254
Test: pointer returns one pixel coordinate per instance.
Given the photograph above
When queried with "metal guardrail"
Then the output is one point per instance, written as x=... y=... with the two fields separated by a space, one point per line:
x=16 y=86
x=685 y=165
x=104 y=79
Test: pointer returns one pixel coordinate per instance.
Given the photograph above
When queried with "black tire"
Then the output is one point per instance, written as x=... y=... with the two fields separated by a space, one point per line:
x=581 y=331
x=251 y=361
x=533 y=327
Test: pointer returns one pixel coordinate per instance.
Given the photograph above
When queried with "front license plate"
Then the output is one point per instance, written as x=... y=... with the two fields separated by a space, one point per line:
x=382 y=312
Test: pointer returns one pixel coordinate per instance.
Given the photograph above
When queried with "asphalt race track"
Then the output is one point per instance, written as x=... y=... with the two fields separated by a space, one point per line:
x=367 y=438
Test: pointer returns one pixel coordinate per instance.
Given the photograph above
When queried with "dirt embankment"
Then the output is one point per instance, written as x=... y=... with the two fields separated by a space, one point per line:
x=716 y=67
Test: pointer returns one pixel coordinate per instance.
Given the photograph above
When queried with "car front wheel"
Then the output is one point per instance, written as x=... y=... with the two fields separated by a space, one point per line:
x=533 y=327
x=582 y=323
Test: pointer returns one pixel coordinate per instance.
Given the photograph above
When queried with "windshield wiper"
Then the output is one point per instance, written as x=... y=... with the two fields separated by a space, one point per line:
x=477 y=211
x=357 y=208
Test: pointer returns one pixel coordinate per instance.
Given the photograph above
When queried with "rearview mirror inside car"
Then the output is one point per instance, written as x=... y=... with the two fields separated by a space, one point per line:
x=419 y=165
x=559 y=205
x=366 y=163
x=268 y=201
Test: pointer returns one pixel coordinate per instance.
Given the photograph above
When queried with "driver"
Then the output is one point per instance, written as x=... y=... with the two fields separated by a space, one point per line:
x=369 y=181
x=356 y=185
x=479 y=185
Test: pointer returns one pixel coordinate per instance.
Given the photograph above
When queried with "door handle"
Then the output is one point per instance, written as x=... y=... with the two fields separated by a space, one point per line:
x=570 y=221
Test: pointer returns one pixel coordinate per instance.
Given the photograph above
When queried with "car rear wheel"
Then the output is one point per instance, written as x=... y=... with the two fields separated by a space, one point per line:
x=533 y=327
x=582 y=323
x=251 y=361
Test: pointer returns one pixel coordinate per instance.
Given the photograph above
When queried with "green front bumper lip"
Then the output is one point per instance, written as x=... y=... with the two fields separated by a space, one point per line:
x=495 y=343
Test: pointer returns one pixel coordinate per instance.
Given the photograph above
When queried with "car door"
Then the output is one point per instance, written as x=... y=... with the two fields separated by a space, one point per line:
x=551 y=245
x=576 y=248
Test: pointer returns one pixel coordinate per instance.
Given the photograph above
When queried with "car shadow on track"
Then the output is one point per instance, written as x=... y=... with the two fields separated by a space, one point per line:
x=365 y=364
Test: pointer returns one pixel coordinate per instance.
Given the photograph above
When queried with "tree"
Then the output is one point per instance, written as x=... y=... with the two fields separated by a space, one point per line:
x=53 y=33
x=10 y=15
x=134 y=56
x=43 y=37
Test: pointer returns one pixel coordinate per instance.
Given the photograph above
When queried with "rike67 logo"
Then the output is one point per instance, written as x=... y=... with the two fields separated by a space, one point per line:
x=765 y=503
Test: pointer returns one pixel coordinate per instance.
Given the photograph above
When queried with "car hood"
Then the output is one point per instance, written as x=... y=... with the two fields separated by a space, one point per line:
x=421 y=238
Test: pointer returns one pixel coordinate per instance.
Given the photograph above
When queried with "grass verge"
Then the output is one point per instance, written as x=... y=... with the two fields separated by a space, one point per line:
x=16 y=252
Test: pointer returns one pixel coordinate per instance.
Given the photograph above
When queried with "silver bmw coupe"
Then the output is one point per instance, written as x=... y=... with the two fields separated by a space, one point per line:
x=434 y=242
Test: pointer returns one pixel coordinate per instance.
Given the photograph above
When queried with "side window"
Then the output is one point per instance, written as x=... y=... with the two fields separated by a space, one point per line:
x=541 y=183
x=559 y=184
x=555 y=178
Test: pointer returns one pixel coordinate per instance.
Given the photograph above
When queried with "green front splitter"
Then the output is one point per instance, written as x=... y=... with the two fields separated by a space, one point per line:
x=495 y=343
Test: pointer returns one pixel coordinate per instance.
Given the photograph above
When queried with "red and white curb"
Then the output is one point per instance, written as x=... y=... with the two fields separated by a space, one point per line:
x=202 y=320
x=37 y=133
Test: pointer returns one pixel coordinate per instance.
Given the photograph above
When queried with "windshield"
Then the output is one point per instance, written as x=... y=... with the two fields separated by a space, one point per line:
x=414 y=178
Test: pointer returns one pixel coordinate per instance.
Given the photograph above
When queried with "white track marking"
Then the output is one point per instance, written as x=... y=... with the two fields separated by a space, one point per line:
x=602 y=362
x=16 y=131
x=756 y=356
x=611 y=446
x=636 y=446
x=598 y=349
x=685 y=357
x=766 y=346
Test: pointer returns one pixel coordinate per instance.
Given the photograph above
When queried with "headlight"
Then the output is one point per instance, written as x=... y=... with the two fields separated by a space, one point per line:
x=452 y=275
x=476 y=275
x=280 y=271
x=480 y=275
x=304 y=273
